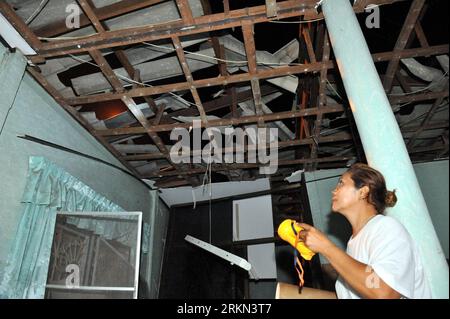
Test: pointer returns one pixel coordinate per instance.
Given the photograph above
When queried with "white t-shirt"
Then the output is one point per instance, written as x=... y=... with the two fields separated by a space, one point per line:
x=385 y=245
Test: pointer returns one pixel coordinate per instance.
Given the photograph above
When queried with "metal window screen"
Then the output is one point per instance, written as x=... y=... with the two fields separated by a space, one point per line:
x=95 y=255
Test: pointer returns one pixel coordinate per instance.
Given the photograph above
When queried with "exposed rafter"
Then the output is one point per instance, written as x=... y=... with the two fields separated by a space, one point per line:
x=313 y=146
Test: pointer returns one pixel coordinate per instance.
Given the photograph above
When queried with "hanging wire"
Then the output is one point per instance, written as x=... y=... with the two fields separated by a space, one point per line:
x=37 y=11
x=207 y=179
x=296 y=22
x=244 y=62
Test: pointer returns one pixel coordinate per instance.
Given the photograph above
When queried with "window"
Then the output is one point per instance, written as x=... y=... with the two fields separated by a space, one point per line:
x=95 y=255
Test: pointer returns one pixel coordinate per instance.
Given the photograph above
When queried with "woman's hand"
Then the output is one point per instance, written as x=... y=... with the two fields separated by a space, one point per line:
x=314 y=239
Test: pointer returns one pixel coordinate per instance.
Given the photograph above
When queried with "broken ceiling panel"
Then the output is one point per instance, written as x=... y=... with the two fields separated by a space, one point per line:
x=221 y=89
x=156 y=14
x=438 y=79
x=266 y=60
x=149 y=71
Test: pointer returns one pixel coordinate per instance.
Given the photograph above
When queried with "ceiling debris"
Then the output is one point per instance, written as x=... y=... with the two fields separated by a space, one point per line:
x=135 y=70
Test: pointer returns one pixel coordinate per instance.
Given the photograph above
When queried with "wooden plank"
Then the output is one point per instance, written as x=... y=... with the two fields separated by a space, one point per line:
x=421 y=35
x=226 y=7
x=88 y=9
x=159 y=114
x=106 y=69
x=402 y=40
x=250 y=50
x=322 y=101
x=185 y=11
x=309 y=46
x=189 y=78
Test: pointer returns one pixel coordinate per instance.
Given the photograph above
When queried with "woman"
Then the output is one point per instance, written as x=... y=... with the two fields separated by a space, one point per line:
x=382 y=260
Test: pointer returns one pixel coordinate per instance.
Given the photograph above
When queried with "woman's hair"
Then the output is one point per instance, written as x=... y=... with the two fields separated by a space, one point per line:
x=364 y=175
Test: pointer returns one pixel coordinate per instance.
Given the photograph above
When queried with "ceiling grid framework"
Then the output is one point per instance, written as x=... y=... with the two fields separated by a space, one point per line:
x=232 y=74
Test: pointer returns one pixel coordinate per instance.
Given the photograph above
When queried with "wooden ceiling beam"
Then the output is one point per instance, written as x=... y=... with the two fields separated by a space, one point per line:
x=225 y=122
x=190 y=80
x=218 y=21
x=250 y=51
x=405 y=33
x=221 y=167
x=280 y=145
x=185 y=11
x=245 y=77
x=226 y=7
x=421 y=35
x=322 y=100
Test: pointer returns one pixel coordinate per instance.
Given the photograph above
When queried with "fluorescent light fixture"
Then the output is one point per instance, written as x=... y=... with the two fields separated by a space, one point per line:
x=13 y=38
x=233 y=259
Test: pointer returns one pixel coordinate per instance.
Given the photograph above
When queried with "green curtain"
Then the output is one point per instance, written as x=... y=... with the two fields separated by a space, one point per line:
x=49 y=188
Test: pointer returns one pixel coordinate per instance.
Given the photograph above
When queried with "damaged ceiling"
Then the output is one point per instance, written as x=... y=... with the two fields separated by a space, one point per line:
x=135 y=70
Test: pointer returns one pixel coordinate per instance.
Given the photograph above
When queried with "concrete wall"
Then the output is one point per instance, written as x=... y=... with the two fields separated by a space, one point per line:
x=25 y=108
x=434 y=182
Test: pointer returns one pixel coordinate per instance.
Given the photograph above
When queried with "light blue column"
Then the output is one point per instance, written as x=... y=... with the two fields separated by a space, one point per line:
x=381 y=137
